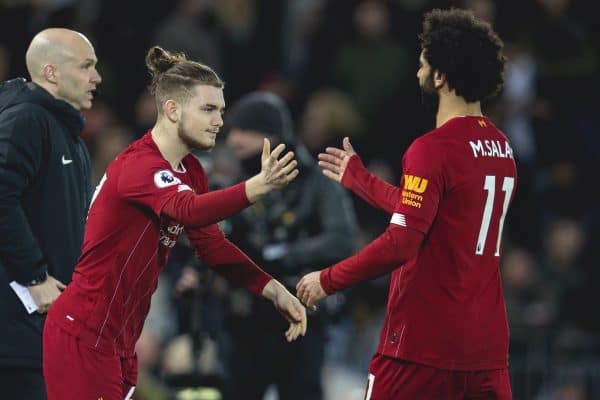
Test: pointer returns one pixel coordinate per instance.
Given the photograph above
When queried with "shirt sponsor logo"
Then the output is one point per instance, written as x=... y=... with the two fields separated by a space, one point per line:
x=170 y=234
x=415 y=183
x=65 y=161
x=165 y=178
x=491 y=148
x=414 y=186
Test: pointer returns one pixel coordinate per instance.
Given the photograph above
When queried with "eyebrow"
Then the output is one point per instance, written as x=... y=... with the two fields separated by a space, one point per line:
x=213 y=106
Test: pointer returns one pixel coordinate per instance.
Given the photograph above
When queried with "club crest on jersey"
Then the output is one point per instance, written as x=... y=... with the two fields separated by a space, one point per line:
x=165 y=178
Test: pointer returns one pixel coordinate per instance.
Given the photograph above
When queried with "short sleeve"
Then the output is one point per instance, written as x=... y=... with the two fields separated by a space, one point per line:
x=422 y=187
x=150 y=183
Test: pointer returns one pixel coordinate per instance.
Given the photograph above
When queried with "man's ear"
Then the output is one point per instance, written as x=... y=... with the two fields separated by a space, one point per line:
x=172 y=110
x=439 y=79
x=49 y=72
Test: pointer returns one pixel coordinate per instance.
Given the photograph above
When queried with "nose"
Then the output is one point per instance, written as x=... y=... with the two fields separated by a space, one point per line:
x=218 y=120
x=96 y=78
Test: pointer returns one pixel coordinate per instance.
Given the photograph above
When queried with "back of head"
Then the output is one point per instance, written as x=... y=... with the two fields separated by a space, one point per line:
x=466 y=50
x=263 y=112
x=174 y=76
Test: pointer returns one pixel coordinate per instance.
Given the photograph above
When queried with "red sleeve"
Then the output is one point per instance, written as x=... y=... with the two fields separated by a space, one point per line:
x=148 y=182
x=226 y=259
x=373 y=190
x=207 y=208
x=386 y=253
x=422 y=187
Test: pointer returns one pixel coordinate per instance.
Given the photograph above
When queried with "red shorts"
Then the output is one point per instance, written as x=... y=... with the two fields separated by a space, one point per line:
x=74 y=371
x=394 y=379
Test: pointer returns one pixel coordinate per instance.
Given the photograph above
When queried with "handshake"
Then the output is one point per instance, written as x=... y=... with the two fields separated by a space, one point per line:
x=309 y=292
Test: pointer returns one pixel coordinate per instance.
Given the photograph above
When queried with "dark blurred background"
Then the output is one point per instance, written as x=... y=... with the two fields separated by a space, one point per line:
x=347 y=67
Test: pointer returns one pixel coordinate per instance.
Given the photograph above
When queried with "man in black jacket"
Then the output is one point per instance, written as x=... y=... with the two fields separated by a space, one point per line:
x=308 y=224
x=44 y=195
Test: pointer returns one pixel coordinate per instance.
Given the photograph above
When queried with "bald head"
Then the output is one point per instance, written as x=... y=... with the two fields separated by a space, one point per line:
x=53 y=46
x=64 y=63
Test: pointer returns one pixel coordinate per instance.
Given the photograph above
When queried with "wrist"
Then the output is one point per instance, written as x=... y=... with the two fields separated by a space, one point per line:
x=37 y=280
x=256 y=187
x=271 y=289
x=352 y=169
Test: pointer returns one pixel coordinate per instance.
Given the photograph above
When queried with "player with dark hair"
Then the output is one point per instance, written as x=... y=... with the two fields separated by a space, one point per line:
x=151 y=193
x=445 y=334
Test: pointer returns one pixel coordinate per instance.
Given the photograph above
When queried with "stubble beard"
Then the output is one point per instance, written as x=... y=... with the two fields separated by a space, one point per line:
x=189 y=140
x=430 y=98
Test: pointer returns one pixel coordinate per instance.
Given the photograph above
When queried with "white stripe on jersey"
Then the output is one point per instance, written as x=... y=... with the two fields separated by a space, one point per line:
x=398 y=219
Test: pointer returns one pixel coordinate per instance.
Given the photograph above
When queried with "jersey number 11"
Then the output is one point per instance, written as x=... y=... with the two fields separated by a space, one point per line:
x=490 y=187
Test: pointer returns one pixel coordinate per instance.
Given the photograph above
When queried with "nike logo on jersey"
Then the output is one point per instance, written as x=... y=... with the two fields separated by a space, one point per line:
x=65 y=161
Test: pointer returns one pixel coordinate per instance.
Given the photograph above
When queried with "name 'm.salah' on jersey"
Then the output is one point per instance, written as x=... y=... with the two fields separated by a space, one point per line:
x=446 y=307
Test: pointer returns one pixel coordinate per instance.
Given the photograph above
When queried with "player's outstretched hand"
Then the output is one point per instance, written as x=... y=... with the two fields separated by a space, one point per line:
x=334 y=161
x=289 y=307
x=277 y=172
x=309 y=289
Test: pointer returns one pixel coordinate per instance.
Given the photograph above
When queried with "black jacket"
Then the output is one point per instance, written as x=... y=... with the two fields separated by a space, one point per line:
x=44 y=196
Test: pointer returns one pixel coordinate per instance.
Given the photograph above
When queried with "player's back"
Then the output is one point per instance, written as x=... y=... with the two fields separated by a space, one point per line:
x=446 y=306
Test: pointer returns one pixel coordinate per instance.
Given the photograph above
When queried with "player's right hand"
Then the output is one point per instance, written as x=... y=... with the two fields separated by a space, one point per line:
x=289 y=307
x=46 y=292
x=335 y=161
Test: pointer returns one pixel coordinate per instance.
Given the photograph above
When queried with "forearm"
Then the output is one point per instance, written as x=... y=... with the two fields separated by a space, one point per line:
x=208 y=208
x=231 y=263
x=373 y=190
x=386 y=253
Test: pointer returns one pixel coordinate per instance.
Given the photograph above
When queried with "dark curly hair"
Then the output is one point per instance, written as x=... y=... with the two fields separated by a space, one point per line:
x=173 y=75
x=466 y=50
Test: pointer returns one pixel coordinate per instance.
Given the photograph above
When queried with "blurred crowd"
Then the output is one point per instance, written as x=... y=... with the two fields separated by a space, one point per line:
x=347 y=68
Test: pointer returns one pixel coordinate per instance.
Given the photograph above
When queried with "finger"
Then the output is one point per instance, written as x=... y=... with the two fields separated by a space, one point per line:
x=292 y=175
x=347 y=146
x=299 y=284
x=266 y=149
x=287 y=158
x=334 y=151
x=330 y=159
x=329 y=166
x=295 y=312
x=60 y=285
x=333 y=176
x=303 y=323
x=288 y=168
x=277 y=151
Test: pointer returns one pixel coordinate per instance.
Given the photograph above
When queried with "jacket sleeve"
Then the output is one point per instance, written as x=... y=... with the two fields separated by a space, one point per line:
x=337 y=237
x=22 y=155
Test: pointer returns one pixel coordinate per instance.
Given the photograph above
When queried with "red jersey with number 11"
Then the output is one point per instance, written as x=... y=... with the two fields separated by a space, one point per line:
x=446 y=307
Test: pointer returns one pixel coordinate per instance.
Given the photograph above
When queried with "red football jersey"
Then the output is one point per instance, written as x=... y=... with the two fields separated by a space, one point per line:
x=446 y=307
x=126 y=244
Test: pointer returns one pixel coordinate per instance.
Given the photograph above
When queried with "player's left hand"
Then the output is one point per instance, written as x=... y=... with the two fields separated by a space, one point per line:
x=309 y=289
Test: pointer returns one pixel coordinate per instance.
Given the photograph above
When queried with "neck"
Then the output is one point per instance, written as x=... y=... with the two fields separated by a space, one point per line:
x=51 y=89
x=164 y=134
x=452 y=106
